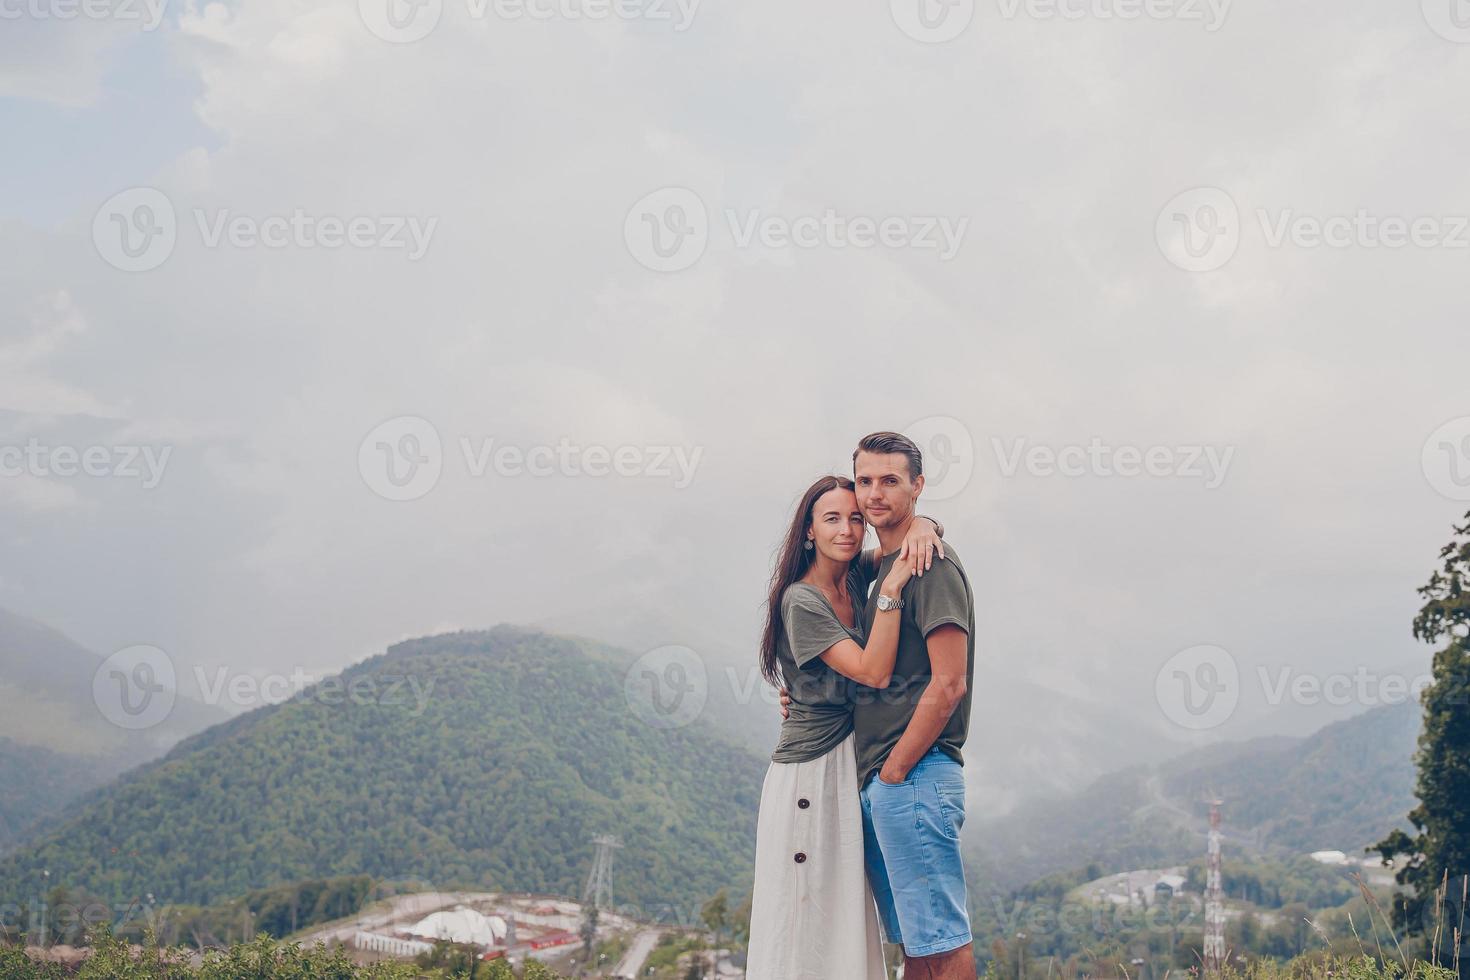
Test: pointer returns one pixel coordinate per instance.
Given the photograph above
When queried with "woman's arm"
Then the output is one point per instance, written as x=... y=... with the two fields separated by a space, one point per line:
x=873 y=665
x=919 y=546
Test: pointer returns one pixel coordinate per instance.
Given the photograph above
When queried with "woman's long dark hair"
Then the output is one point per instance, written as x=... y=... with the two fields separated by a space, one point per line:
x=792 y=562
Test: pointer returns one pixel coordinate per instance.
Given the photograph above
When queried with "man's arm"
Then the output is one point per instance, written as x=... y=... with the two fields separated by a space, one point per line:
x=948 y=658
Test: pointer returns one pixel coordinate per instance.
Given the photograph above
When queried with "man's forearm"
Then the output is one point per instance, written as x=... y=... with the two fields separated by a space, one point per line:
x=936 y=706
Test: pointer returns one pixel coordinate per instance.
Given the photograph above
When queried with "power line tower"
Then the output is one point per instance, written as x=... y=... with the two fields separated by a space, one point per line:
x=1214 y=903
x=597 y=894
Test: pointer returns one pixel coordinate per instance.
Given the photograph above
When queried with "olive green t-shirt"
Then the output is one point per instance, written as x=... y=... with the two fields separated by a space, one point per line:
x=820 y=713
x=942 y=595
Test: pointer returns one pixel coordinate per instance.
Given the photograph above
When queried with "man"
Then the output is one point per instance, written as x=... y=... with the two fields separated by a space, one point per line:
x=909 y=735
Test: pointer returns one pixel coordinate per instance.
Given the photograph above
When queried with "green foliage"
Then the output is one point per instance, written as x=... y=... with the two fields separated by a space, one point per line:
x=1270 y=901
x=740 y=922
x=261 y=959
x=1437 y=855
x=536 y=970
x=716 y=914
x=499 y=970
x=482 y=758
x=670 y=947
x=1273 y=884
x=454 y=959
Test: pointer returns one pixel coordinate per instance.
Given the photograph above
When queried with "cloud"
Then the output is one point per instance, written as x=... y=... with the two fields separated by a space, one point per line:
x=530 y=320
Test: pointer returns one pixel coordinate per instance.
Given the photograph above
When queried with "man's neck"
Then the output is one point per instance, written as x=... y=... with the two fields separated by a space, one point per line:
x=890 y=539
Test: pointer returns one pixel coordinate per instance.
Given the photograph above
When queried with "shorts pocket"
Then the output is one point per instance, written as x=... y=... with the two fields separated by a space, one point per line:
x=907 y=780
x=951 y=807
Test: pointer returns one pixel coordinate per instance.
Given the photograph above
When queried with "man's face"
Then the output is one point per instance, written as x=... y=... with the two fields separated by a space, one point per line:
x=885 y=492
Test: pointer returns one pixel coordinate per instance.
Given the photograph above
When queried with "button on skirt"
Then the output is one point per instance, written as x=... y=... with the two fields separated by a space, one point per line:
x=811 y=911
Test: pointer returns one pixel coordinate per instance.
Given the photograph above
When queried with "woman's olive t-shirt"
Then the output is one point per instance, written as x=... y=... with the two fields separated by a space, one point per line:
x=821 y=704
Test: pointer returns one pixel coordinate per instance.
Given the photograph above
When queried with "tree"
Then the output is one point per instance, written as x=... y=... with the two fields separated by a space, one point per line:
x=1438 y=855
x=716 y=915
x=740 y=922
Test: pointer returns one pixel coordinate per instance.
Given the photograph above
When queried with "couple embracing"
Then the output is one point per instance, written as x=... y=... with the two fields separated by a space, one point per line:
x=864 y=800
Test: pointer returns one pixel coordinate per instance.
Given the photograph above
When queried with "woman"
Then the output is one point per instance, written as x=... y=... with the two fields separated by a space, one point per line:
x=812 y=914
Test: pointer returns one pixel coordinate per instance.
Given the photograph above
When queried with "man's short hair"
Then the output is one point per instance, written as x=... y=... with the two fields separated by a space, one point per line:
x=884 y=443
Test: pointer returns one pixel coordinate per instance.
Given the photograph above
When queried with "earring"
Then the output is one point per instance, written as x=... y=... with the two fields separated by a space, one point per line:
x=808 y=544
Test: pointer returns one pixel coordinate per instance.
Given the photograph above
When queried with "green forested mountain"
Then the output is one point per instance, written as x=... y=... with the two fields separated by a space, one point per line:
x=479 y=758
x=1335 y=789
x=55 y=743
x=1283 y=796
x=47 y=700
x=36 y=782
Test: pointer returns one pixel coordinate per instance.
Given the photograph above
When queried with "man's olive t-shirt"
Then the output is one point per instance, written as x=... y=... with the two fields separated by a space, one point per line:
x=942 y=595
x=821 y=703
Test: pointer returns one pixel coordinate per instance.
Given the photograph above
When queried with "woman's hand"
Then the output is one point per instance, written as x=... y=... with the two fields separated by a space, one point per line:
x=898 y=576
x=919 y=546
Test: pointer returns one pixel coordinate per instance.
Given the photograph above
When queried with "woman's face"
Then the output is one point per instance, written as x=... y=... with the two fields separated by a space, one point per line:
x=837 y=525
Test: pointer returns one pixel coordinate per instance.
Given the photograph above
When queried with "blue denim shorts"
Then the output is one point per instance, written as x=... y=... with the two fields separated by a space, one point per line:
x=911 y=843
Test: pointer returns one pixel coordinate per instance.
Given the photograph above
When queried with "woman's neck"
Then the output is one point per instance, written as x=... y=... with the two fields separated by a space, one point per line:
x=826 y=573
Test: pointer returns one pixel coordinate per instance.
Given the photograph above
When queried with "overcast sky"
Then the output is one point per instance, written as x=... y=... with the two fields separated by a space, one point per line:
x=276 y=250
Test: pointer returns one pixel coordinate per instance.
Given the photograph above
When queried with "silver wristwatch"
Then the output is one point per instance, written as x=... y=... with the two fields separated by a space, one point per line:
x=887 y=602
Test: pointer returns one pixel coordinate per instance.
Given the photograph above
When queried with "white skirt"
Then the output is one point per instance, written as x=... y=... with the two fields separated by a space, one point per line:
x=811 y=912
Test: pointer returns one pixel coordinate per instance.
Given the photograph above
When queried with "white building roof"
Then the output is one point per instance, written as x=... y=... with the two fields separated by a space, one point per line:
x=461 y=925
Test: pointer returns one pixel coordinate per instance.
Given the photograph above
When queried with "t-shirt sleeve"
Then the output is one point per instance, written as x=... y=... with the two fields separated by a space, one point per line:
x=811 y=629
x=939 y=598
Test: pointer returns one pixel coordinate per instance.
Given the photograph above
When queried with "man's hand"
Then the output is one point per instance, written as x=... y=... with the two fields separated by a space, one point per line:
x=891 y=774
x=785 y=700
